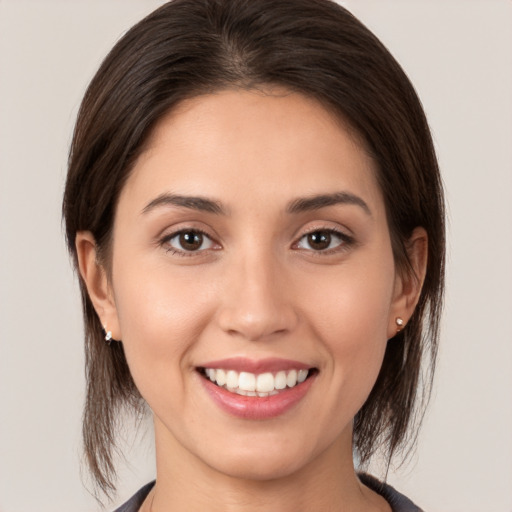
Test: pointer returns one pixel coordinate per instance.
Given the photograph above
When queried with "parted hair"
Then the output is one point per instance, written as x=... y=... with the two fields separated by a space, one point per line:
x=317 y=48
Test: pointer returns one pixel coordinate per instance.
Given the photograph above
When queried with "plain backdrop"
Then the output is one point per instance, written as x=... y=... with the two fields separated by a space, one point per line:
x=459 y=56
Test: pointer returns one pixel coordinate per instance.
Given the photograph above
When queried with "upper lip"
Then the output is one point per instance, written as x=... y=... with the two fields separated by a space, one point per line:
x=243 y=364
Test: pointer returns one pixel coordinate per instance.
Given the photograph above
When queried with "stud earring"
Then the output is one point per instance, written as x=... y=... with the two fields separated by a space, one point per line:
x=399 y=323
x=108 y=335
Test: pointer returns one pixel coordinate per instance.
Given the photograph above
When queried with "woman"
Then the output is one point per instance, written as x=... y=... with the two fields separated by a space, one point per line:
x=254 y=205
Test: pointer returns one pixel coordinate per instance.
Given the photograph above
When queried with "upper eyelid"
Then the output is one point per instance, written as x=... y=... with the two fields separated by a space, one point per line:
x=165 y=241
x=343 y=233
x=168 y=233
x=331 y=229
x=177 y=232
x=345 y=237
x=174 y=234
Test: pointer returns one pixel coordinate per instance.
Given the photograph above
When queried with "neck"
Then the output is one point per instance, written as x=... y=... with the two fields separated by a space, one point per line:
x=326 y=483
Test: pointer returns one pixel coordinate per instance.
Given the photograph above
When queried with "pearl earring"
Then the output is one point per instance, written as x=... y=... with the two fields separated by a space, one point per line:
x=108 y=335
x=399 y=324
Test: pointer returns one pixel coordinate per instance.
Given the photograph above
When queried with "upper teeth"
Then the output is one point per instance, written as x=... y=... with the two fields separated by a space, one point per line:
x=251 y=384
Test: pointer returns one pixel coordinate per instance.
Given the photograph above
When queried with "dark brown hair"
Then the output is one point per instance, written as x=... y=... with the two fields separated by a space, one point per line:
x=192 y=47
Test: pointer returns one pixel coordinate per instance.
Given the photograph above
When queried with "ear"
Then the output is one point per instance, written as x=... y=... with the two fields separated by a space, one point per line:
x=96 y=280
x=409 y=282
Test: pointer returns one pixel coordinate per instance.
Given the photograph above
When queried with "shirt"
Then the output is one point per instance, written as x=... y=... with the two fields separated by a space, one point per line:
x=398 y=502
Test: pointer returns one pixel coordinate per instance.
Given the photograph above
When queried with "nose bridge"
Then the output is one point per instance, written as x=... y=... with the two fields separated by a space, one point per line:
x=256 y=300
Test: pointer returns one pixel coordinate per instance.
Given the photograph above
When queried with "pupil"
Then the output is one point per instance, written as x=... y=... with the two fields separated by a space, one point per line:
x=191 y=240
x=319 y=240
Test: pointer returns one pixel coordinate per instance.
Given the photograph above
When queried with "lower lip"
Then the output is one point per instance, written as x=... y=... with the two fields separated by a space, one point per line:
x=257 y=408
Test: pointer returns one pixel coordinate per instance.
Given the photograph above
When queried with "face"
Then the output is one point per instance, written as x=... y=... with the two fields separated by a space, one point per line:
x=251 y=256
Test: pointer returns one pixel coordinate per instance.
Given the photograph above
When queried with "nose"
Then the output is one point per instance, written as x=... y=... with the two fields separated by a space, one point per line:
x=257 y=300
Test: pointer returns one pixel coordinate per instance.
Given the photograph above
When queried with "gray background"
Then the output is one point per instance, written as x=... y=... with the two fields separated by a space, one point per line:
x=459 y=56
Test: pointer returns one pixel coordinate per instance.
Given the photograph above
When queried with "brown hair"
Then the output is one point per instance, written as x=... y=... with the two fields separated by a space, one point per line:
x=315 y=47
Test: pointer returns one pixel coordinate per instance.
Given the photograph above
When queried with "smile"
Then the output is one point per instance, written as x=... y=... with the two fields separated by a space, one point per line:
x=252 y=384
x=256 y=390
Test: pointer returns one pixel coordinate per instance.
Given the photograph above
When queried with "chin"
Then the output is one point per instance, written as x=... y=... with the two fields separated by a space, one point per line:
x=260 y=468
x=261 y=459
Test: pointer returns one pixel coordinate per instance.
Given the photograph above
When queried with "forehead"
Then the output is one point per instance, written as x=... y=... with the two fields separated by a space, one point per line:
x=256 y=144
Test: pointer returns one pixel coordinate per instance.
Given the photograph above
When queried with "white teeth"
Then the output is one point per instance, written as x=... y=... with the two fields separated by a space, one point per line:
x=247 y=381
x=280 y=380
x=232 y=379
x=291 y=378
x=250 y=384
x=265 y=383
x=301 y=376
x=220 y=377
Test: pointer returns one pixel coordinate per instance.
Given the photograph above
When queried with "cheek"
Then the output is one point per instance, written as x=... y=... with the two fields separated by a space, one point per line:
x=354 y=303
x=355 y=335
x=161 y=316
x=351 y=315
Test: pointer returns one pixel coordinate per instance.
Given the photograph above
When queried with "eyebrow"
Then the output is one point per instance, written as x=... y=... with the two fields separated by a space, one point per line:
x=316 y=202
x=299 y=205
x=199 y=203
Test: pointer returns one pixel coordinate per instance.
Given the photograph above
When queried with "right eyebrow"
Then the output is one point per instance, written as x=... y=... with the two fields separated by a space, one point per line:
x=199 y=203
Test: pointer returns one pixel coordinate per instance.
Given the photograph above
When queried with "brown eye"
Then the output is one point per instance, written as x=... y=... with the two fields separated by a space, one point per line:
x=189 y=241
x=319 y=240
x=323 y=240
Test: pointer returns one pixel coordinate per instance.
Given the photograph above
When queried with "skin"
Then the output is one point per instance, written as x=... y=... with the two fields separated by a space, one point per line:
x=256 y=288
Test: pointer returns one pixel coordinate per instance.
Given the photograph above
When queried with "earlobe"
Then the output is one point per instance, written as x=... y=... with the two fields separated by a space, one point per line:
x=96 y=280
x=409 y=282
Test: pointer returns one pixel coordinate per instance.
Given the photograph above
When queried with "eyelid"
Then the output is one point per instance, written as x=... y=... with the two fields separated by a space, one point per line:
x=164 y=240
x=347 y=240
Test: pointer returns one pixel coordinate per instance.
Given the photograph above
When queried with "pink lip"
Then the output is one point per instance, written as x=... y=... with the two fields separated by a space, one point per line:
x=242 y=364
x=252 y=407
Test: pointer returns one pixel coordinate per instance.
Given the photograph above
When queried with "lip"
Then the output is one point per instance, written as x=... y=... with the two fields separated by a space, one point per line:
x=242 y=364
x=257 y=408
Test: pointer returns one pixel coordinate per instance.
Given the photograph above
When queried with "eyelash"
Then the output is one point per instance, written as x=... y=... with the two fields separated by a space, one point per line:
x=169 y=249
x=346 y=241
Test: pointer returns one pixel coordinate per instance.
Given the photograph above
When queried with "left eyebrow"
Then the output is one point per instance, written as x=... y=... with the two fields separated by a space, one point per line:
x=199 y=203
x=305 y=204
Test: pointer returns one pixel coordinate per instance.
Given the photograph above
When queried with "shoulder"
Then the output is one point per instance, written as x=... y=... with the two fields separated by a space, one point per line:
x=397 y=501
x=135 y=502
